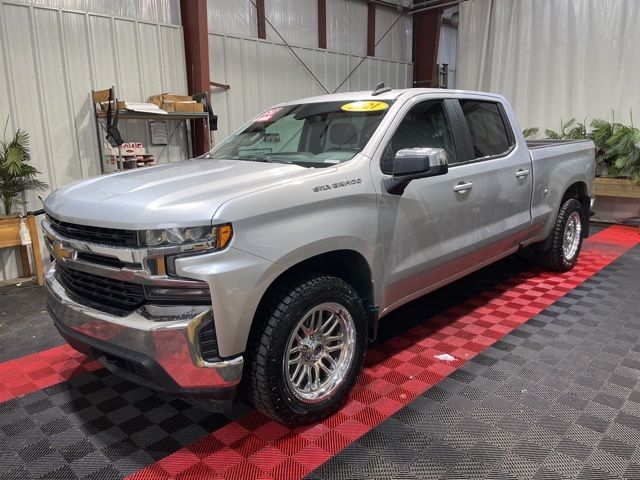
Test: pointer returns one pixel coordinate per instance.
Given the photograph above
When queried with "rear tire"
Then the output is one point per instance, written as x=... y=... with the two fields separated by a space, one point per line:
x=297 y=371
x=565 y=241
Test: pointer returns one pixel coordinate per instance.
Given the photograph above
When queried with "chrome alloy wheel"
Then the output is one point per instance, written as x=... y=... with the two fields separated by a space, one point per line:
x=571 y=238
x=319 y=352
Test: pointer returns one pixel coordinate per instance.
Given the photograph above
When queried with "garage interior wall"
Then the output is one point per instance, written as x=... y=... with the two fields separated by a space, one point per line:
x=262 y=73
x=53 y=53
x=553 y=59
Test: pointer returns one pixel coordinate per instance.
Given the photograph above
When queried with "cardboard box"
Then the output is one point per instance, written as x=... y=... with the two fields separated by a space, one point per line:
x=188 y=106
x=176 y=103
x=105 y=106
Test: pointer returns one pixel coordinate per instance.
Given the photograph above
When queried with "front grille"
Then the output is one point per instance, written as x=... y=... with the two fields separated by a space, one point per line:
x=113 y=296
x=100 y=260
x=105 y=236
x=209 y=343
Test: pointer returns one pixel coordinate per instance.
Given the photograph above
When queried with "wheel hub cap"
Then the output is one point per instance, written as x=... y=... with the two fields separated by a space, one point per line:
x=319 y=352
x=312 y=349
x=571 y=238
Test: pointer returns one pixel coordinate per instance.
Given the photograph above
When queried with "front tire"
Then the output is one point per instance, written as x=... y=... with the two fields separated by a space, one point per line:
x=565 y=240
x=306 y=349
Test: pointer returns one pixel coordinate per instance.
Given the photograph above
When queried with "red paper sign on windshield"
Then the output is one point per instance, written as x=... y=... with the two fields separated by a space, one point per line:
x=267 y=115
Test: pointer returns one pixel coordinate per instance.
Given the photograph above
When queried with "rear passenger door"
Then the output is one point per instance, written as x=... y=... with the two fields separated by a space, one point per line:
x=502 y=178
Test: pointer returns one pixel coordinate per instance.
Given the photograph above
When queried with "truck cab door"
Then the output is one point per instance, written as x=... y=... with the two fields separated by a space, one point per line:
x=503 y=173
x=428 y=232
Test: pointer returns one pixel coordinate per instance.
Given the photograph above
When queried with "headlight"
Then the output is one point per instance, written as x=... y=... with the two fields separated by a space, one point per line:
x=200 y=238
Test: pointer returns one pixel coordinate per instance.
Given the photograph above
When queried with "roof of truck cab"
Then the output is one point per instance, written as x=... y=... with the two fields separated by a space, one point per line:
x=390 y=95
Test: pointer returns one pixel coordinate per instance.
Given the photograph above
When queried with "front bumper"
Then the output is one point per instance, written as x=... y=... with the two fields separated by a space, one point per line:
x=154 y=346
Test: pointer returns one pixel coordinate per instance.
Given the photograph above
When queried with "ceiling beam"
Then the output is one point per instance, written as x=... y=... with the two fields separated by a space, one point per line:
x=426 y=39
x=262 y=23
x=371 y=29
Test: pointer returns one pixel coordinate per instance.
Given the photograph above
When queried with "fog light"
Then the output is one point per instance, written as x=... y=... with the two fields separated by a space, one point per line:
x=195 y=295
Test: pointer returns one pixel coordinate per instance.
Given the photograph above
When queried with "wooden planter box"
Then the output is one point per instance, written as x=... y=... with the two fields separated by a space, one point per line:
x=10 y=237
x=616 y=187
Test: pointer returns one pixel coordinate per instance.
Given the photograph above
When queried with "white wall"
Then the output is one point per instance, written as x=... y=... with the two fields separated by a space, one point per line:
x=262 y=73
x=232 y=17
x=397 y=43
x=553 y=58
x=50 y=60
x=347 y=26
x=295 y=20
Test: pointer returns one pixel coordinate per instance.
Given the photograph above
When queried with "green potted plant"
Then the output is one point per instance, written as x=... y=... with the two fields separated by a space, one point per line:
x=16 y=174
x=618 y=147
x=569 y=130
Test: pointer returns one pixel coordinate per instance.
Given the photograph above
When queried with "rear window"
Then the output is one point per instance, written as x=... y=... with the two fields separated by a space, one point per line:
x=488 y=131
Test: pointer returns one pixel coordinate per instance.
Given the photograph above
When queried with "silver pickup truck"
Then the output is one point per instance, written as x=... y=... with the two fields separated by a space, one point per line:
x=269 y=262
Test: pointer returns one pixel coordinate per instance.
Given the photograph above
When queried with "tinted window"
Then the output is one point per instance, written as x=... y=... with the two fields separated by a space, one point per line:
x=487 y=128
x=425 y=125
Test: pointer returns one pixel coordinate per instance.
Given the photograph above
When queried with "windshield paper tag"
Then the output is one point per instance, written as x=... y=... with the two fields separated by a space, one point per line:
x=267 y=115
x=365 y=106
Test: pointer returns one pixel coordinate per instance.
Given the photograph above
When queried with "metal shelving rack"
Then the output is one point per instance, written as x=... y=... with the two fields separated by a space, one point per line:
x=100 y=116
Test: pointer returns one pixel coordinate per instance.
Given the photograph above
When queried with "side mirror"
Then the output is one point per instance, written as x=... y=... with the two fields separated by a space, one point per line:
x=413 y=163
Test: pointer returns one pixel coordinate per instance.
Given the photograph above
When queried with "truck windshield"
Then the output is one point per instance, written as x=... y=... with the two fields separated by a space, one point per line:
x=310 y=135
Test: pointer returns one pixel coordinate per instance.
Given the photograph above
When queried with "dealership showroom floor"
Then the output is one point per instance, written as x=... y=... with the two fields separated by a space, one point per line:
x=319 y=239
x=542 y=382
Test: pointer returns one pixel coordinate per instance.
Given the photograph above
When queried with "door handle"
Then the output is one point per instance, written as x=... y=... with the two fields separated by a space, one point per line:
x=522 y=173
x=462 y=187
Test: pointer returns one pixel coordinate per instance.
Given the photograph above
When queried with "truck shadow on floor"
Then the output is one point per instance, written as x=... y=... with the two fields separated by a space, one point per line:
x=419 y=311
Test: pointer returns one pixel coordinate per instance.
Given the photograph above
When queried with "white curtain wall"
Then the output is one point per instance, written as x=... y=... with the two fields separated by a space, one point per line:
x=553 y=59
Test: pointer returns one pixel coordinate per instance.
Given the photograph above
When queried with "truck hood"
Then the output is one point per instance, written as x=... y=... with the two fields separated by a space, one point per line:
x=175 y=195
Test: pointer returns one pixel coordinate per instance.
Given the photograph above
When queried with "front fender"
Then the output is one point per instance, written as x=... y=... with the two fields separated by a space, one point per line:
x=238 y=281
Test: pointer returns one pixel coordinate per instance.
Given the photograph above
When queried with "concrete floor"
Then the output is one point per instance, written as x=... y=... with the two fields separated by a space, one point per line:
x=25 y=326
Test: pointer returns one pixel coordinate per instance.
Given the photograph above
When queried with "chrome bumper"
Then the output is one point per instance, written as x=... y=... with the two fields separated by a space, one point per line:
x=163 y=339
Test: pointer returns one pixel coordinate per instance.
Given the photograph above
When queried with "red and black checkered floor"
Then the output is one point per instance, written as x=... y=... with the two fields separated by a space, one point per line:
x=544 y=385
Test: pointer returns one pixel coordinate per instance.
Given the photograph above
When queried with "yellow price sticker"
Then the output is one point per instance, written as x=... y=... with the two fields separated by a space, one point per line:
x=365 y=106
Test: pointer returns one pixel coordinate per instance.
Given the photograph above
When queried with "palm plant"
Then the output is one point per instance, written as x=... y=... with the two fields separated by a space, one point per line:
x=624 y=151
x=16 y=174
x=569 y=130
x=618 y=147
x=530 y=132
x=601 y=132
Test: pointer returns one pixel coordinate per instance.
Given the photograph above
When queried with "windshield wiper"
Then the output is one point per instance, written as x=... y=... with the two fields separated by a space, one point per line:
x=270 y=160
x=260 y=159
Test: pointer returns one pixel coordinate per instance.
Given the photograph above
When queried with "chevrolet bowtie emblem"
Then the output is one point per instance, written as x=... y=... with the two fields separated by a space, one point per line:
x=62 y=253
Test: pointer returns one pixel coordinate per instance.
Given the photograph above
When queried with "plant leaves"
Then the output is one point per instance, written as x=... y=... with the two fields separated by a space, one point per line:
x=16 y=174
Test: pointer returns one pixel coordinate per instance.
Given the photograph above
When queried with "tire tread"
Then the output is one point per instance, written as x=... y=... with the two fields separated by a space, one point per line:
x=258 y=389
x=552 y=257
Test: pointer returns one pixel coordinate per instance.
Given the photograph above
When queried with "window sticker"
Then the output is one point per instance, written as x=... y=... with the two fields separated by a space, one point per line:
x=365 y=106
x=267 y=115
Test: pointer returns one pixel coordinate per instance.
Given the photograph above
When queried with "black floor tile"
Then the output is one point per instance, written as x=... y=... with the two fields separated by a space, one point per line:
x=564 y=400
